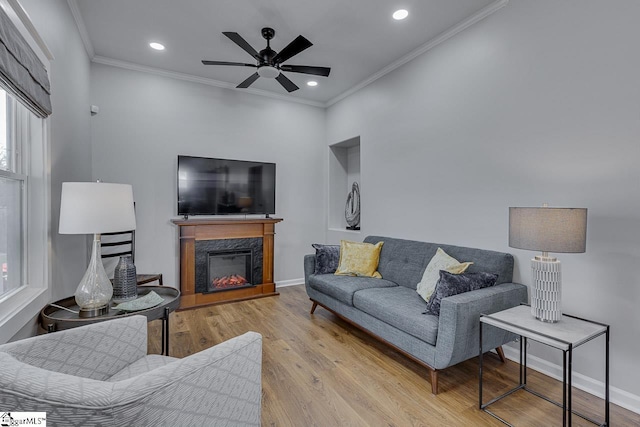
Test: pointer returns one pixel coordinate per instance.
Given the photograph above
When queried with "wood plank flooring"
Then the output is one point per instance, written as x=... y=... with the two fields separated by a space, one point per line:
x=320 y=371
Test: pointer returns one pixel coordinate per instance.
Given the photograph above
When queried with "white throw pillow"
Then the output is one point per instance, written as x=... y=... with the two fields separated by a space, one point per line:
x=440 y=261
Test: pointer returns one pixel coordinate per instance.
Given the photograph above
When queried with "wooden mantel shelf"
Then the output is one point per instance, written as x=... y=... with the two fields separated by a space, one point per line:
x=192 y=230
x=224 y=221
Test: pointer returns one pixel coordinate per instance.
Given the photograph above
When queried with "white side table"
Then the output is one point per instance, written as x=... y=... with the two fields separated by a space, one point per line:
x=565 y=335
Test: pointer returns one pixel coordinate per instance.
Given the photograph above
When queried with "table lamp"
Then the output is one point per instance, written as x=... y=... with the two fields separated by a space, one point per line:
x=95 y=208
x=546 y=229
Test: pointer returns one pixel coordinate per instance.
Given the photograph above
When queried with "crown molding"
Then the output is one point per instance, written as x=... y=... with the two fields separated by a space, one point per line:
x=82 y=29
x=442 y=37
x=194 y=79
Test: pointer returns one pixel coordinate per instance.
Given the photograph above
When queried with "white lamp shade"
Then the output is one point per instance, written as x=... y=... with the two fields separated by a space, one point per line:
x=95 y=208
x=560 y=230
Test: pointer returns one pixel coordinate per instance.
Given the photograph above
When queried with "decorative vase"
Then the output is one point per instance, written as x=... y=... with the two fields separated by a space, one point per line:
x=125 y=286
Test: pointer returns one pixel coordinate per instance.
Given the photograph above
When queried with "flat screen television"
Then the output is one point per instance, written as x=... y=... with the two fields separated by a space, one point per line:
x=208 y=186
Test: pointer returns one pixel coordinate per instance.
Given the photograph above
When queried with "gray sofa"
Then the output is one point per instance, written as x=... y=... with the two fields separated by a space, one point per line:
x=391 y=310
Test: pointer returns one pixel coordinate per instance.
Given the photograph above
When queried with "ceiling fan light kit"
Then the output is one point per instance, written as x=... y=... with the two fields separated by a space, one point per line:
x=269 y=63
x=268 y=72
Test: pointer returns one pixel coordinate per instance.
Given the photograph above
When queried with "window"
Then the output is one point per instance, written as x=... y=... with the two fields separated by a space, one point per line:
x=24 y=215
x=12 y=186
x=25 y=206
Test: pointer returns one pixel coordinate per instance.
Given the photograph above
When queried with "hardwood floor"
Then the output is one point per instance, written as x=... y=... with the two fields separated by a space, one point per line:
x=320 y=371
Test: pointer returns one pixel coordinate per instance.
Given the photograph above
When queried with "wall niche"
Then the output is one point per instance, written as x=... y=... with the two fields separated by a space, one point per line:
x=344 y=170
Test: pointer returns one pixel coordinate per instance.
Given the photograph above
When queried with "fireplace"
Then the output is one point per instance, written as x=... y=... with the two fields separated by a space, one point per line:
x=200 y=237
x=229 y=269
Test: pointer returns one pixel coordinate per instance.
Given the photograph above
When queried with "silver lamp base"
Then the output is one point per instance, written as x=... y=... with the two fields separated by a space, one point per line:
x=546 y=294
x=93 y=312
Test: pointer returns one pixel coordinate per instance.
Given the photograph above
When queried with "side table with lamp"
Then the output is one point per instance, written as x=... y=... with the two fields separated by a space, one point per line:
x=95 y=208
x=547 y=230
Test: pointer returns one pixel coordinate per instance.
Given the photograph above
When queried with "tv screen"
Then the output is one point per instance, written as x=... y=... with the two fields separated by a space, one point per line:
x=209 y=186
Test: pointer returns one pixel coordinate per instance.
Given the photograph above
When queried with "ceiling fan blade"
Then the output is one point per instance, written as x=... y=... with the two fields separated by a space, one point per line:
x=242 y=64
x=252 y=78
x=237 y=39
x=286 y=83
x=293 y=48
x=306 y=69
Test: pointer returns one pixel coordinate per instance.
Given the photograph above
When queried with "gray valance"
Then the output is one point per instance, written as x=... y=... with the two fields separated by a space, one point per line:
x=21 y=72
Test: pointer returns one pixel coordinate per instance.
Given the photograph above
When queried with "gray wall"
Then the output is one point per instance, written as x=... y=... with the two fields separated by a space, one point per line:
x=537 y=103
x=70 y=135
x=145 y=121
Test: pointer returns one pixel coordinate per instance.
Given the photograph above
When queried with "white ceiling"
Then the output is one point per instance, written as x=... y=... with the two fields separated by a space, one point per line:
x=358 y=39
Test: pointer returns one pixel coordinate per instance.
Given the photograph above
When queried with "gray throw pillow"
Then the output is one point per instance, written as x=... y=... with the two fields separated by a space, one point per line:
x=327 y=258
x=453 y=284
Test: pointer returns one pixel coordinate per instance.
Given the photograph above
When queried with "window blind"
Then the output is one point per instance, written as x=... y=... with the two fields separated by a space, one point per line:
x=21 y=72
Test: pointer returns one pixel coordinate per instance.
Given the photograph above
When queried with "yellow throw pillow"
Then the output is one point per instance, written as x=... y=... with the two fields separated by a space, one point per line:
x=440 y=261
x=359 y=259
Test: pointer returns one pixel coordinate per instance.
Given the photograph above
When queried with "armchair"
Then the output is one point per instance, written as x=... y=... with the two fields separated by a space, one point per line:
x=100 y=374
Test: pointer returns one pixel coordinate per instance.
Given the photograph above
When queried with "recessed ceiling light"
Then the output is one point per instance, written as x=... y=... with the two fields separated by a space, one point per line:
x=156 y=46
x=400 y=14
x=312 y=83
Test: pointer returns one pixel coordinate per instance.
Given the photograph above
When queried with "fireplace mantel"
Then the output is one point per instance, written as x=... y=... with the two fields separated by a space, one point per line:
x=192 y=230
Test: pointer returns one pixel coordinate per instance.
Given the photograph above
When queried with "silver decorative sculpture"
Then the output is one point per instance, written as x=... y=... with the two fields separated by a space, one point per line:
x=352 y=208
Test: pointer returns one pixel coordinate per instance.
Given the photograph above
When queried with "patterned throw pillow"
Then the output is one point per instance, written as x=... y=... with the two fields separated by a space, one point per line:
x=327 y=257
x=454 y=284
x=440 y=261
x=359 y=259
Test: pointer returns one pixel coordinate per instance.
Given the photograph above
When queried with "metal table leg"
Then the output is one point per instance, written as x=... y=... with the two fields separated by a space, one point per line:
x=569 y=375
x=564 y=388
x=606 y=379
x=480 y=375
x=166 y=314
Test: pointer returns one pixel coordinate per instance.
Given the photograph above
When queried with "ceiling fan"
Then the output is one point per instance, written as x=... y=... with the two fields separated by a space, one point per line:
x=269 y=63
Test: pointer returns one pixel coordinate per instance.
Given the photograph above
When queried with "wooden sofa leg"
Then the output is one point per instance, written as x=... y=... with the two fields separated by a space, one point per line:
x=313 y=307
x=500 y=352
x=434 y=381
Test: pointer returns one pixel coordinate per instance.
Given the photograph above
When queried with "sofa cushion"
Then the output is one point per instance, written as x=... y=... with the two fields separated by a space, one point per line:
x=440 y=261
x=454 y=284
x=399 y=307
x=404 y=261
x=359 y=259
x=327 y=257
x=342 y=288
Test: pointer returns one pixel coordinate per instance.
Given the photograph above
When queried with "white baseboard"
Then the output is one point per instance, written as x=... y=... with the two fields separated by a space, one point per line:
x=617 y=396
x=292 y=282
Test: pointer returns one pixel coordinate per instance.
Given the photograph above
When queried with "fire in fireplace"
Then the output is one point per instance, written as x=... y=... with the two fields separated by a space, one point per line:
x=229 y=269
x=229 y=281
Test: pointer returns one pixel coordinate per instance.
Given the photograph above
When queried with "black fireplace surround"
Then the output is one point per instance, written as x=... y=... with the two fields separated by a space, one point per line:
x=205 y=247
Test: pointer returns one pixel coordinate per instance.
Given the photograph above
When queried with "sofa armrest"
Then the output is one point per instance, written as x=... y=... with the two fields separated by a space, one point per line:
x=95 y=351
x=459 y=319
x=219 y=385
x=309 y=266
